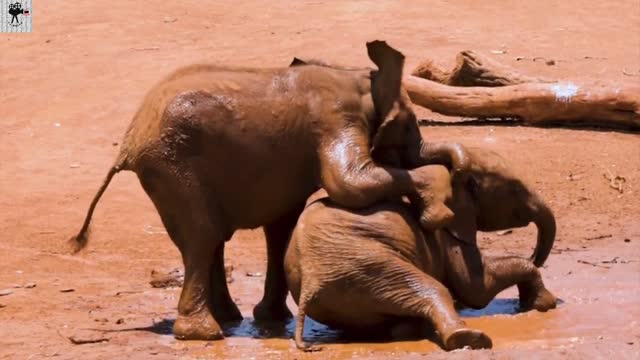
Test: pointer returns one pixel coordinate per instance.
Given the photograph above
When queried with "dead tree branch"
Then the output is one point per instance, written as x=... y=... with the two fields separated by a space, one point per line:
x=479 y=87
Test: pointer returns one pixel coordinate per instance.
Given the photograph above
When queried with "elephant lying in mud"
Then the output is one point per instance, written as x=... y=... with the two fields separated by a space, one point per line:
x=373 y=267
x=219 y=149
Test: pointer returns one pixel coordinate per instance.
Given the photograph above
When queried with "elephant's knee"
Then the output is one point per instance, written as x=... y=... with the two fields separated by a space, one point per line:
x=475 y=297
x=354 y=194
x=479 y=302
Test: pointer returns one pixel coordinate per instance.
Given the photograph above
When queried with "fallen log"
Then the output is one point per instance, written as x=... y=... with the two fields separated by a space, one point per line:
x=473 y=69
x=535 y=103
x=480 y=87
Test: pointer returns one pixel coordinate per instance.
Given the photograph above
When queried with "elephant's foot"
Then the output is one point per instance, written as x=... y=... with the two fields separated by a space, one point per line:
x=436 y=216
x=474 y=339
x=272 y=311
x=433 y=189
x=198 y=326
x=224 y=309
x=228 y=314
x=542 y=301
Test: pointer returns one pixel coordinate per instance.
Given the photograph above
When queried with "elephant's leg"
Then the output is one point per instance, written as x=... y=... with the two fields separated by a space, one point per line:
x=404 y=290
x=273 y=305
x=222 y=305
x=195 y=227
x=453 y=155
x=353 y=180
x=501 y=273
x=523 y=273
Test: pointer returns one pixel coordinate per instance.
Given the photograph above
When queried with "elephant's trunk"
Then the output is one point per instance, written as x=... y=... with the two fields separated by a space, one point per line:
x=546 y=224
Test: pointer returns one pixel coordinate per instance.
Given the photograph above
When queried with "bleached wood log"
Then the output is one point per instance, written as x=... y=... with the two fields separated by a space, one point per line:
x=535 y=103
x=473 y=69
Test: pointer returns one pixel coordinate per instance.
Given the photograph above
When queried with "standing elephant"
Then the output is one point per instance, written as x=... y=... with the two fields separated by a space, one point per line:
x=371 y=267
x=220 y=149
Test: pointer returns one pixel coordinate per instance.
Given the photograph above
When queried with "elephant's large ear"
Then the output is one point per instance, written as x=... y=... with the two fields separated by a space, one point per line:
x=464 y=225
x=390 y=136
x=386 y=82
x=386 y=147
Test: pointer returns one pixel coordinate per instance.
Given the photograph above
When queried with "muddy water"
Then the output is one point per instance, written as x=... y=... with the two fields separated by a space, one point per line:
x=598 y=305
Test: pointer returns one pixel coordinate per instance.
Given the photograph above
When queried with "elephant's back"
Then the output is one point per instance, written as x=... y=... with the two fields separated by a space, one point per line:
x=346 y=235
x=336 y=253
x=215 y=100
x=246 y=131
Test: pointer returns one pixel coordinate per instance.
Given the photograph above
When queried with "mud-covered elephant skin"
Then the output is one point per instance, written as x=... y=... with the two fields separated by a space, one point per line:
x=373 y=267
x=493 y=197
x=219 y=149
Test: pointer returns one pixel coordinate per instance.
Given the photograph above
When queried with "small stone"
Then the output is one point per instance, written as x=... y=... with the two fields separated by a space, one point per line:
x=2 y=305
x=550 y=62
x=174 y=278
x=29 y=285
x=169 y=19
x=115 y=143
x=57 y=124
x=120 y=321
x=6 y=292
x=67 y=290
x=74 y=165
x=88 y=339
x=627 y=240
x=254 y=274
x=101 y=320
x=504 y=232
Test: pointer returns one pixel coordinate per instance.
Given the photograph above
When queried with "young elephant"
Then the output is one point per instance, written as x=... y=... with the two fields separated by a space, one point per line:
x=370 y=267
x=220 y=149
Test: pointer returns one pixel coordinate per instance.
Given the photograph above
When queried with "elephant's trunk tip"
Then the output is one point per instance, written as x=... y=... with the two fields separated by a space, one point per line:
x=545 y=221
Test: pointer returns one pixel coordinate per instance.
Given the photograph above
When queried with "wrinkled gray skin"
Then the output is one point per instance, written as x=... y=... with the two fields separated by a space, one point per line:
x=219 y=149
x=370 y=268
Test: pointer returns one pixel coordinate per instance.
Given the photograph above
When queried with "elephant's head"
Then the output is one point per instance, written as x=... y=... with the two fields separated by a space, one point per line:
x=493 y=199
x=510 y=204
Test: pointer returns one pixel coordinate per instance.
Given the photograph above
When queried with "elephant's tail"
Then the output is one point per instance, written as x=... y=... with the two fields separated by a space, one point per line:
x=546 y=224
x=79 y=241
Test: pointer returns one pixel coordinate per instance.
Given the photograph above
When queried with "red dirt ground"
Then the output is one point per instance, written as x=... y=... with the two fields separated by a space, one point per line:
x=69 y=89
